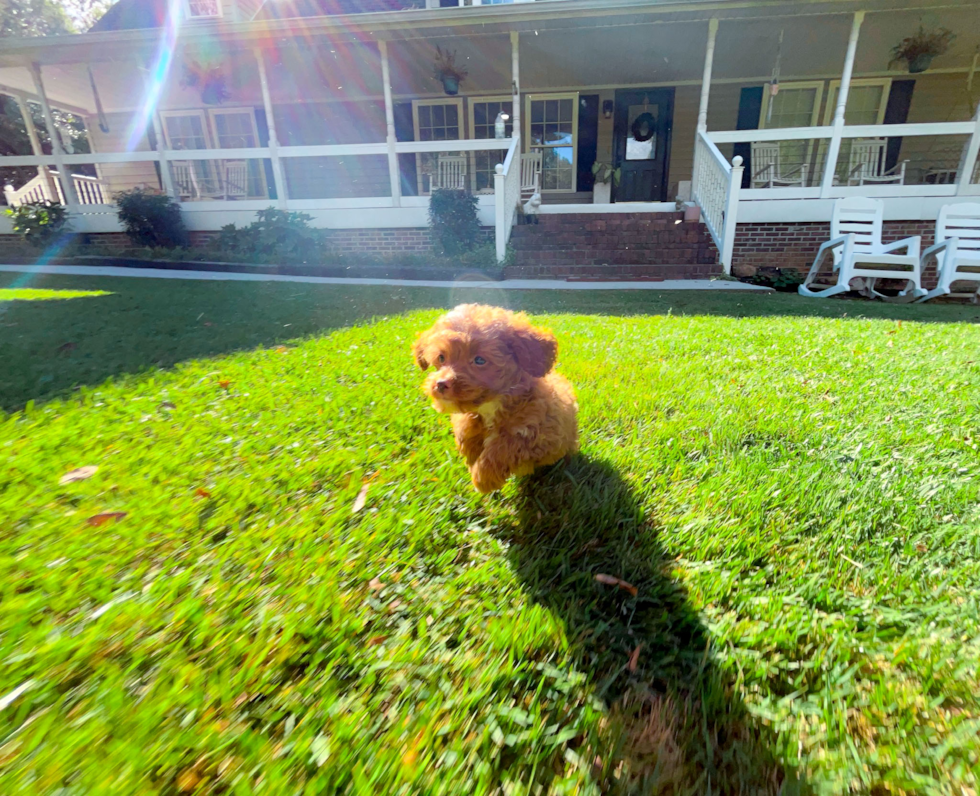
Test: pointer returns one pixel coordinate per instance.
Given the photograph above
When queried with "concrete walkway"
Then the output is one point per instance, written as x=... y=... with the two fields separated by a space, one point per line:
x=508 y=284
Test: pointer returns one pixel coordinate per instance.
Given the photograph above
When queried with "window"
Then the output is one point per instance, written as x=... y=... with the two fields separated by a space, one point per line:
x=185 y=130
x=795 y=105
x=551 y=124
x=866 y=100
x=235 y=128
x=203 y=9
x=483 y=118
x=435 y=120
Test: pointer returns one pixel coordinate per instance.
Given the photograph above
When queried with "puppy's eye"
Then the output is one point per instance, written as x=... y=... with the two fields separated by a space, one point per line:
x=479 y=361
x=441 y=359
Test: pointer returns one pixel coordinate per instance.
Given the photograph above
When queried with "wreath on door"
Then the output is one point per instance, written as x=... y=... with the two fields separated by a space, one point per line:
x=637 y=129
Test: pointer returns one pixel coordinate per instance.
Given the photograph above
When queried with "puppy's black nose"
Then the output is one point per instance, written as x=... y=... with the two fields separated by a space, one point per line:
x=442 y=385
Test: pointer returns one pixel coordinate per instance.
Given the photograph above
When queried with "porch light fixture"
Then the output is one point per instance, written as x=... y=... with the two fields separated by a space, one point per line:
x=607 y=109
x=500 y=125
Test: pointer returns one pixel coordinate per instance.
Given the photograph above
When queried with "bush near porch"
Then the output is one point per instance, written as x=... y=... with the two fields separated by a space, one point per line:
x=279 y=580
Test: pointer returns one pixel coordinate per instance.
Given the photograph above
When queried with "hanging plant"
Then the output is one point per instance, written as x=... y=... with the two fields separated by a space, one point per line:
x=918 y=51
x=210 y=79
x=446 y=70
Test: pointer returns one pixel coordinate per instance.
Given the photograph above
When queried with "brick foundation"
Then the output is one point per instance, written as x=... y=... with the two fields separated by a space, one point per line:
x=783 y=245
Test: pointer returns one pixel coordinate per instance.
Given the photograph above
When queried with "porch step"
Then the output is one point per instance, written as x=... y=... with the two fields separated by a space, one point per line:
x=596 y=244
x=613 y=273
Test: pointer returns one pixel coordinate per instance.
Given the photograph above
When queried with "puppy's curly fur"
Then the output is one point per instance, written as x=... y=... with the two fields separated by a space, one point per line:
x=511 y=413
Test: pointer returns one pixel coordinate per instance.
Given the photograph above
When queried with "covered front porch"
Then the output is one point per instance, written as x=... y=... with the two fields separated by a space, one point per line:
x=342 y=118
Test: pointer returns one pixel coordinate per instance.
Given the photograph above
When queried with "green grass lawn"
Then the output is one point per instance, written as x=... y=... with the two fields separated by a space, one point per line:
x=789 y=485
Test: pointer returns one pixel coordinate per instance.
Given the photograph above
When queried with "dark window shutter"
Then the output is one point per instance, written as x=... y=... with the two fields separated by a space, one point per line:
x=749 y=109
x=588 y=139
x=405 y=131
x=897 y=112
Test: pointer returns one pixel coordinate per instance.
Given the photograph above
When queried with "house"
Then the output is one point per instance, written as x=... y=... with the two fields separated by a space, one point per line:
x=760 y=112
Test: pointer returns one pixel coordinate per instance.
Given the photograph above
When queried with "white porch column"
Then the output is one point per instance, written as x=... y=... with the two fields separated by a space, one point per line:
x=67 y=185
x=830 y=166
x=515 y=73
x=270 y=121
x=969 y=157
x=166 y=178
x=709 y=60
x=394 y=172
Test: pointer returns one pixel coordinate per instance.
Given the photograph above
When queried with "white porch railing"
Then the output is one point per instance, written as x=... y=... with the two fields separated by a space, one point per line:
x=715 y=190
x=507 y=195
x=90 y=191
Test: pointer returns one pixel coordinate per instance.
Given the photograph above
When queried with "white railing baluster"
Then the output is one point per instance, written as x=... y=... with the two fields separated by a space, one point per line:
x=507 y=193
x=715 y=190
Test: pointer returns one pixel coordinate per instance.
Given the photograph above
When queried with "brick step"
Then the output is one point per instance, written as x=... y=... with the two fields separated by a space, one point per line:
x=611 y=272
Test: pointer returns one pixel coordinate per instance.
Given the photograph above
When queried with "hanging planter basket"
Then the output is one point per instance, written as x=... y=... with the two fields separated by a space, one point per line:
x=210 y=80
x=918 y=51
x=448 y=72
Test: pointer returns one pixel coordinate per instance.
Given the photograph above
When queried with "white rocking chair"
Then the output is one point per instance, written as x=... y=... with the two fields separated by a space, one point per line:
x=957 y=246
x=530 y=174
x=855 y=240
x=185 y=179
x=767 y=171
x=236 y=179
x=450 y=173
x=866 y=165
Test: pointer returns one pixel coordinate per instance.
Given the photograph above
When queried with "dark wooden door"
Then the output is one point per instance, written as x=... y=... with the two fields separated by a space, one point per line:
x=641 y=143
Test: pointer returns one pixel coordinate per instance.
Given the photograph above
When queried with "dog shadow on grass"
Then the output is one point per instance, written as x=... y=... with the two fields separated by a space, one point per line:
x=673 y=721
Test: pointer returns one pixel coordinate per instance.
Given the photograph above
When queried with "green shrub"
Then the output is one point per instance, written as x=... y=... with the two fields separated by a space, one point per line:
x=783 y=279
x=452 y=219
x=151 y=219
x=275 y=233
x=39 y=223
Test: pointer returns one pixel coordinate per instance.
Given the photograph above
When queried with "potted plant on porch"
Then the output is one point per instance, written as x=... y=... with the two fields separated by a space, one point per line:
x=605 y=175
x=918 y=51
x=448 y=71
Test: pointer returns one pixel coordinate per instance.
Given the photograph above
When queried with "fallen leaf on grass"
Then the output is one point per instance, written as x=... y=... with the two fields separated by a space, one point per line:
x=375 y=584
x=166 y=406
x=201 y=492
x=78 y=474
x=375 y=640
x=634 y=658
x=360 y=500
x=224 y=385
x=281 y=349
x=921 y=547
x=610 y=580
x=188 y=780
x=101 y=519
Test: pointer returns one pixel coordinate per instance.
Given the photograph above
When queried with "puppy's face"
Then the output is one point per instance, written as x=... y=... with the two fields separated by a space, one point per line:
x=480 y=353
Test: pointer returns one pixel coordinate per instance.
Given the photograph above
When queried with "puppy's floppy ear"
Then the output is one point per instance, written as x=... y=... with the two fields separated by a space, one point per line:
x=418 y=350
x=534 y=349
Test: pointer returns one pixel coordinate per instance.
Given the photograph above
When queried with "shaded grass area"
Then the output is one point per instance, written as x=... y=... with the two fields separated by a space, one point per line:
x=791 y=492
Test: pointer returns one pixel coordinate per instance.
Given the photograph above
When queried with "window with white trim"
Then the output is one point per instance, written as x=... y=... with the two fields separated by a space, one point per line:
x=551 y=126
x=235 y=128
x=866 y=101
x=204 y=9
x=483 y=119
x=793 y=105
x=435 y=120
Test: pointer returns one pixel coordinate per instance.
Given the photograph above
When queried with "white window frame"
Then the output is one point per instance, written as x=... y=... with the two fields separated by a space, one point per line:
x=189 y=15
x=574 y=97
x=834 y=87
x=199 y=112
x=213 y=113
x=470 y=102
x=416 y=104
x=796 y=84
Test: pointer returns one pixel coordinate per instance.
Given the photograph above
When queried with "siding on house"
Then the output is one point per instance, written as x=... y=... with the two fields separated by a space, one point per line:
x=120 y=176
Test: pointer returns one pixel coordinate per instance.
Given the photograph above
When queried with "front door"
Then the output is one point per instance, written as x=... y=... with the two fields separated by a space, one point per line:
x=641 y=143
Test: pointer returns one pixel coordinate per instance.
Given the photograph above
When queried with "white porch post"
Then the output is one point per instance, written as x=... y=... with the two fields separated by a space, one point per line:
x=969 y=157
x=830 y=167
x=709 y=60
x=270 y=121
x=515 y=73
x=67 y=185
x=394 y=174
x=166 y=178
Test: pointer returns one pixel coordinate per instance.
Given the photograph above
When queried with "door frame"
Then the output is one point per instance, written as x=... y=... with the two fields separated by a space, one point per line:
x=667 y=103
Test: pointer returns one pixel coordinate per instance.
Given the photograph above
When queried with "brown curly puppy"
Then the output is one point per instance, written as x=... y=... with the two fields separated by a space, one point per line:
x=511 y=413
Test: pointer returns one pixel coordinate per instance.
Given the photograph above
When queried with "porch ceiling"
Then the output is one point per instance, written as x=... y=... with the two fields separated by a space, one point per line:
x=463 y=22
x=556 y=53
